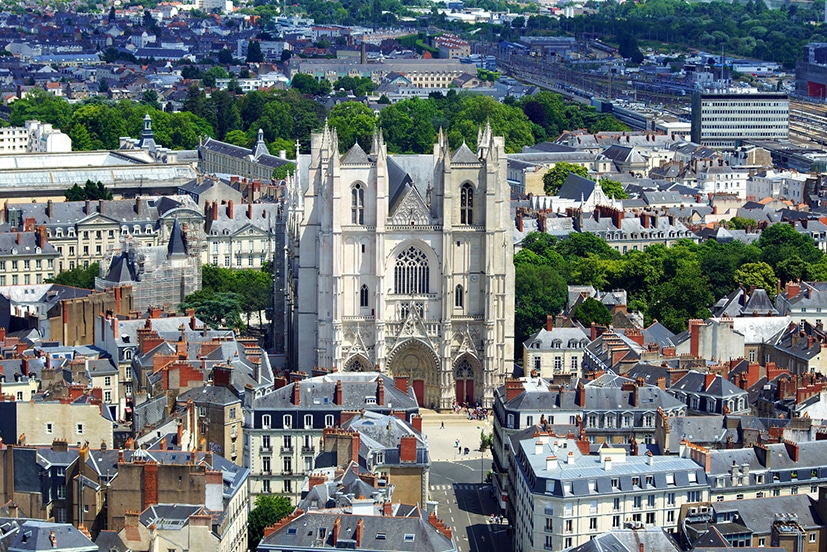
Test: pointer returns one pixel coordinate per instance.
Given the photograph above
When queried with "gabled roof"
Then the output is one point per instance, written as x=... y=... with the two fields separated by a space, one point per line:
x=577 y=188
x=355 y=156
x=759 y=303
x=464 y=155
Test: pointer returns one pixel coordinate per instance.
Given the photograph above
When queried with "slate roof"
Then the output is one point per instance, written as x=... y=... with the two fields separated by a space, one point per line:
x=464 y=155
x=379 y=533
x=209 y=394
x=573 y=337
x=355 y=156
x=700 y=430
x=356 y=386
x=122 y=269
x=577 y=188
x=36 y=535
x=170 y=516
x=630 y=540
x=176 y=248
x=758 y=514
x=759 y=303
x=694 y=382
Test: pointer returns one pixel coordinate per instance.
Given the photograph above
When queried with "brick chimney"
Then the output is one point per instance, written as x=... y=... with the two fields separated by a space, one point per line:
x=401 y=383
x=250 y=211
x=338 y=399
x=549 y=322
x=792 y=289
x=792 y=449
x=337 y=526
x=297 y=393
x=581 y=395
x=150 y=484
x=513 y=388
x=360 y=528
x=709 y=379
x=230 y=209
x=407 y=448
x=380 y=392
x=215 y=210
x=416 y=422
x=694 y=336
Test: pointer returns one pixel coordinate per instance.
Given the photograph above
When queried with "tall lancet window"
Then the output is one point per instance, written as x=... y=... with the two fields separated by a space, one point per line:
x=363 y=296
x=466 y=204
x=357 y=204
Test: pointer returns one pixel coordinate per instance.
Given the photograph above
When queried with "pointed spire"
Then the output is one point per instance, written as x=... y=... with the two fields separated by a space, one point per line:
x=374 y=142
x=176 y=247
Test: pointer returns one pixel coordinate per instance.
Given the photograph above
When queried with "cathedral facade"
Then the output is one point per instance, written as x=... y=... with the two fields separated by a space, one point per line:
x=403 y=264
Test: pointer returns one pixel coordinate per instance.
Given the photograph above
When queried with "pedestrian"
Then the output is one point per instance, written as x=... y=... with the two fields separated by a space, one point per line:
x=456 y=444
x=442 y=425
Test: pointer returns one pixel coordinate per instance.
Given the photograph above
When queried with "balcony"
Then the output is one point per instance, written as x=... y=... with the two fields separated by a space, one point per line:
x=287 y=450
x=308 y=450
x=265 y=450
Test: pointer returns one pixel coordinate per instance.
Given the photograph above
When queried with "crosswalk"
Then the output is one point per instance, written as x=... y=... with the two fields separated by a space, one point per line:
x=458 y=486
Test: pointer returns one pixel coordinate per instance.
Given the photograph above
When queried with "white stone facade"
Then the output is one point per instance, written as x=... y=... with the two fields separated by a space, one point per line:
x=403 y=264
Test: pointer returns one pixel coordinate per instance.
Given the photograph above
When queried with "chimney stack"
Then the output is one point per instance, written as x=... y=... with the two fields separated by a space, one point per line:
x=230 y=209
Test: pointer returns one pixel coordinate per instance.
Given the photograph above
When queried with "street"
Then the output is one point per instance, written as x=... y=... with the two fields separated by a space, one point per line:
x=466 y=504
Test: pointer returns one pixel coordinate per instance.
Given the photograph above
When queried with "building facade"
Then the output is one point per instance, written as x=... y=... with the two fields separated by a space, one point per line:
x=726 y=119
x=564 y=498
x=403 y=264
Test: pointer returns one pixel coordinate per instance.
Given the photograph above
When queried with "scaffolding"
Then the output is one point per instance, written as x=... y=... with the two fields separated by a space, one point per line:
x=158 y=278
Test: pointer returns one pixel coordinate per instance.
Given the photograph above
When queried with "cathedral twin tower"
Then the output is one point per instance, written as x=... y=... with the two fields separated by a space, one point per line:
x=403 y=264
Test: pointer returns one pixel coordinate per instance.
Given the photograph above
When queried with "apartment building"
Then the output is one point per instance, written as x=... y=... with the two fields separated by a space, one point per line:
x=564 y=497
x=555 y=352
x=82 y=232
x=764 y=470
x=283 y=429
x=608 y=410
x=26 y=258
x=726 y=119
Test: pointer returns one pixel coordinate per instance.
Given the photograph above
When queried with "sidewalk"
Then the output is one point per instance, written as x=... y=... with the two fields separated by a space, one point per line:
x=457 y=426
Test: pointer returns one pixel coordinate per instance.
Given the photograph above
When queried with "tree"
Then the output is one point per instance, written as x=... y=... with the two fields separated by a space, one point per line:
x=578 y=245
x=213 y=73
x=91 y=190
x=757 y=275
x=592 y=310
x=307 y=84
x=539 y=291
x=613 y=189
x=150 y=98
x=683 y=295
x=238 y=138
x=555 y=177
x=353 y=121
x=268 y=510
x=221 y=309
x=225 y=57
x=285 y=55
x=782 y=241
x=254 y=54
x=78 y=277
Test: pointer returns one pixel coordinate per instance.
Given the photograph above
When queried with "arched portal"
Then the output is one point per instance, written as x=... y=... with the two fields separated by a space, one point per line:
x=358 y=363
x=467 y=379
x=418 y=362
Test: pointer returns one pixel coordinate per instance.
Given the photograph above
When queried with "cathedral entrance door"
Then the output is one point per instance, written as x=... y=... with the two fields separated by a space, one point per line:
x=464 y=377
x=415 y=360
x=419 y=391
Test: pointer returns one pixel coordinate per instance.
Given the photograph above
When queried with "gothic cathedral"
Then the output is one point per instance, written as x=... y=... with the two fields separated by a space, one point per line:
x=403 y=264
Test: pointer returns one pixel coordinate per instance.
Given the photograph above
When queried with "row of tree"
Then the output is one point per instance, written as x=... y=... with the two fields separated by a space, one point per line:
x=227 y=294
x=670 y=284
x=742 y=28
x=409 y=126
